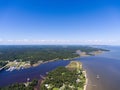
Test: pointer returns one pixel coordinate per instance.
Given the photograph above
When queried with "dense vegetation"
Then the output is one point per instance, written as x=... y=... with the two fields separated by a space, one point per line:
x=65 y=79
x=2 y=63
x=36 y=53
x=21 y=86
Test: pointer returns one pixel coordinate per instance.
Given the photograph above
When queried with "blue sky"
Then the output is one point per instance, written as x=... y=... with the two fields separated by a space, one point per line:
x=60 y=22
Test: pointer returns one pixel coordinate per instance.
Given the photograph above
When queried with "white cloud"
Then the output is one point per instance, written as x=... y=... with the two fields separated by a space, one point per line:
x=38 y=41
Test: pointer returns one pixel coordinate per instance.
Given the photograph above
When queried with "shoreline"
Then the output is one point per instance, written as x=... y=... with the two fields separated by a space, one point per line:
x=78 y=66
x=86 y=81
x=42 y=62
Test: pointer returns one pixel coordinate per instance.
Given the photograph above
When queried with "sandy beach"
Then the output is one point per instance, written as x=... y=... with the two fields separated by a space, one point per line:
x=86 y=82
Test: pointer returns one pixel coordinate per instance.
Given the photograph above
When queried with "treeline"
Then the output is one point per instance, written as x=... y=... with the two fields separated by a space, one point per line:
x=36 y=53
x=21 y=86
x=2 y=63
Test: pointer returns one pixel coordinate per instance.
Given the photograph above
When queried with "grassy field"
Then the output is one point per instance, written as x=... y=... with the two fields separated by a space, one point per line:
x=74 y=65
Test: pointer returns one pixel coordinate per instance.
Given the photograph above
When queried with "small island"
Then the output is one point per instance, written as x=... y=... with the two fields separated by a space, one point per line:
x=71 y=77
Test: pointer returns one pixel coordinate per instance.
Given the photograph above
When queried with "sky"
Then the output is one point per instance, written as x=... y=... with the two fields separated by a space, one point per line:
x=60 y=22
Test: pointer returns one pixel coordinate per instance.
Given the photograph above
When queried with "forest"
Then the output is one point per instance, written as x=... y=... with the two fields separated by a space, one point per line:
x=64 y=79
x=35 y=53
x=21 y=86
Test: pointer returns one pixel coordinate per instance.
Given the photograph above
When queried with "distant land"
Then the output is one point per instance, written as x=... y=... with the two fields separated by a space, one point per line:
x=24 y=56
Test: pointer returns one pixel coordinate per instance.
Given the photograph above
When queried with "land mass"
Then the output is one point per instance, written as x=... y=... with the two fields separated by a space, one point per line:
x=25 y=56
x=71 y=77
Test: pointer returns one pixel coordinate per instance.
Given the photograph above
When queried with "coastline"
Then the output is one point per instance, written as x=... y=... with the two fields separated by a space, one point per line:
x=83 y=54
x=72 y=66
x=86 y=81
x=84 y=71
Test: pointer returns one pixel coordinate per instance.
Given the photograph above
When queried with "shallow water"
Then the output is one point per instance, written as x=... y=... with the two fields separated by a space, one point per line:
x=107 y=66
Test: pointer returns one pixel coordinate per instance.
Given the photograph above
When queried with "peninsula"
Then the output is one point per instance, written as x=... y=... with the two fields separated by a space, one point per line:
x=25 y=56
x=71 y=77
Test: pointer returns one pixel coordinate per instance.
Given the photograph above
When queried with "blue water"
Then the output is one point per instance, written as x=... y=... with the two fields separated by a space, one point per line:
x=7 y=78
x=106 y=65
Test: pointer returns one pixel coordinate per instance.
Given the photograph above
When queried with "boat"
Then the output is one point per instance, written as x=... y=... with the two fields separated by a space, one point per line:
x=97 y=76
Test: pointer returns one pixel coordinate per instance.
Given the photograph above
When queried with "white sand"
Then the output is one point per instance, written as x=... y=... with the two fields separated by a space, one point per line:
x=85 y=86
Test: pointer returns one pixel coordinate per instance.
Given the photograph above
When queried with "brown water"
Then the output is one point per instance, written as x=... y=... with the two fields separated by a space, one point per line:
x=107 y=66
